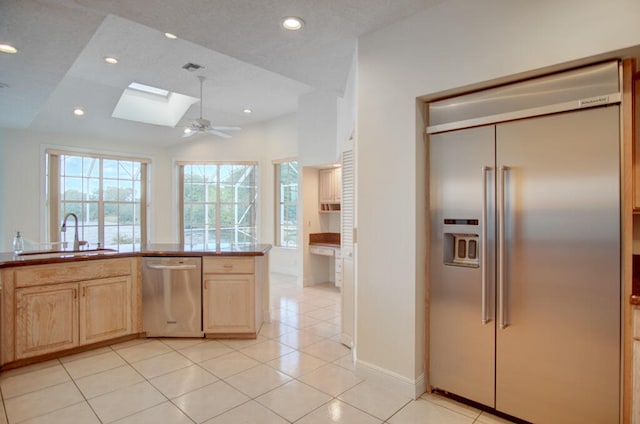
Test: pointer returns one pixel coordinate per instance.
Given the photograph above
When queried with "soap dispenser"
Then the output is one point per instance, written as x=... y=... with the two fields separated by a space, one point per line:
x=18 y=243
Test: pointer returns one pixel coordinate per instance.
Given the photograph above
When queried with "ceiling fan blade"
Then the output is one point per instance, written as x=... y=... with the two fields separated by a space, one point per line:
x=218 y=133
x=189 y=134
x=223 y=128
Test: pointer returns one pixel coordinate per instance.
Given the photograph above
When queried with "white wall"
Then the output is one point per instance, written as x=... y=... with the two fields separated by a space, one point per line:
x=22 y=176
x=317 y=126
x=454 y=44
x=346 y=120
x=281 y=136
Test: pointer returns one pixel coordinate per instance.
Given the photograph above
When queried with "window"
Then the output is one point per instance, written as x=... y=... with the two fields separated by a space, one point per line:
x=286 y=176
x=107 y=194
x=218 y=204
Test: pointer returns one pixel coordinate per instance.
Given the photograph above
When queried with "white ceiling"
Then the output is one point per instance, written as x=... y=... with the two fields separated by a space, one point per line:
x=249 y=60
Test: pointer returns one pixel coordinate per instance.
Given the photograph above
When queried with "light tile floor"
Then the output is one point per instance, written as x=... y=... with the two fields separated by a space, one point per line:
x=296 y=371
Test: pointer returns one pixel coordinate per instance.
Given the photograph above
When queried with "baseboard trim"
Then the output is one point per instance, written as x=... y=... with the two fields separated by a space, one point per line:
x=383 y=377
x=346 y=340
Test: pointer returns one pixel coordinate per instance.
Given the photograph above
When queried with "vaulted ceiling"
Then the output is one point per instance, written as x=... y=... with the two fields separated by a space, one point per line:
x=249 y=60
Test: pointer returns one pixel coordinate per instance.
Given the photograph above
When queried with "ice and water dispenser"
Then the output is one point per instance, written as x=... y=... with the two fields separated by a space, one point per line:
x=461 y=248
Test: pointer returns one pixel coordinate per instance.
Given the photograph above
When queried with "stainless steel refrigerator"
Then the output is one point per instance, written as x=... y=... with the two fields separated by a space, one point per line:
x=524 y=264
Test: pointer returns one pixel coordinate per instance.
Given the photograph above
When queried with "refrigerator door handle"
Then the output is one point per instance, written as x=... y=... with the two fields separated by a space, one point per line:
x=483 y=252
x=502 y=247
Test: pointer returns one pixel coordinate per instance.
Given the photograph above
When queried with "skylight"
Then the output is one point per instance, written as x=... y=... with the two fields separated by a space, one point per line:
x=149 y=89
x=152 y=105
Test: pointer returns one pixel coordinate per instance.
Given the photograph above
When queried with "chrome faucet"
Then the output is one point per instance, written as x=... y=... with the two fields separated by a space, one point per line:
x=76 y=242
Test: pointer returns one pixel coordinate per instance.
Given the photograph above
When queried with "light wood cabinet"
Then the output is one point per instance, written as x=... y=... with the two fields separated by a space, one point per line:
x=105 y=309
x=229 y=297
x=229 y=304
x=56 y=307
x=330 y=189
x=55 y=317
x=46 y=319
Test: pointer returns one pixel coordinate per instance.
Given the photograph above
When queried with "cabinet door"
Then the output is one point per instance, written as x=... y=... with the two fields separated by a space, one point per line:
x=46 y=319
x=337 y=184
x=228 y=303
x=326 y=186
x=105 y=309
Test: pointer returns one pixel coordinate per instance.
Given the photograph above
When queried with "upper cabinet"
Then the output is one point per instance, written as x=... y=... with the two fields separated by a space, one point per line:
x=330 y=189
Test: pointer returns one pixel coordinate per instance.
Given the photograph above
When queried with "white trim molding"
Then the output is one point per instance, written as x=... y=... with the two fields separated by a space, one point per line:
x=383 y=377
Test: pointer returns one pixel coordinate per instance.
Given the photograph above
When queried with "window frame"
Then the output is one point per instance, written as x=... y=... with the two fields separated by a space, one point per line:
x=279 y=203
x=180 y=165
x=53 y=202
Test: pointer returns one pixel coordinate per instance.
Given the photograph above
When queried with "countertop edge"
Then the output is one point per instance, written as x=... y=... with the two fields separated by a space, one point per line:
x=259 y=250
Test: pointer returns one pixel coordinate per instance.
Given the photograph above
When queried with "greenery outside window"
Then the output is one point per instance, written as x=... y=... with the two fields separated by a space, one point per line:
x=106 y=193
x=286 y=185
x=218 y=204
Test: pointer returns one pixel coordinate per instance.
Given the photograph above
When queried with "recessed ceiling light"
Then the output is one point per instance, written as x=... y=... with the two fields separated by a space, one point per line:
x=247 y=111
x=292 y=23
x=170 y=36
x=78 y=111
x=6 y=48
x=111 y=60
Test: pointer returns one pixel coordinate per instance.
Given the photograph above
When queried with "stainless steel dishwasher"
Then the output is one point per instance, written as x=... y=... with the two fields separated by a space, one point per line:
x=172 y=296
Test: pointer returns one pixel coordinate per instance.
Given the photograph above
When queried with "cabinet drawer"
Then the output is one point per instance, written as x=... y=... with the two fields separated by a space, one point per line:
x=74 y=271
x=322 y=250
x=228 y=265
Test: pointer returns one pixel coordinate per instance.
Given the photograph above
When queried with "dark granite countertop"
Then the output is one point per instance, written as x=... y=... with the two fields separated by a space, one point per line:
x=9 y=259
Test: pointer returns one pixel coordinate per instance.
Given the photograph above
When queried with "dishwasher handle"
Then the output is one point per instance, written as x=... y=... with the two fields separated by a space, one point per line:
x=178 y=267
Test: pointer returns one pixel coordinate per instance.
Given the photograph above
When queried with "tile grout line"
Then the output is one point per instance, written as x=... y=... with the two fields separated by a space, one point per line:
x=130 y=364
x=4 y=409
x=81 y=394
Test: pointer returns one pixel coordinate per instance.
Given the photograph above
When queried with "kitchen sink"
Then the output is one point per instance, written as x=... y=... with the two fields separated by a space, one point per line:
x=52 y=254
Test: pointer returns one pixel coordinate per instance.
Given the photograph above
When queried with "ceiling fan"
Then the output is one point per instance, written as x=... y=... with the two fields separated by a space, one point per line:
x=202 y=125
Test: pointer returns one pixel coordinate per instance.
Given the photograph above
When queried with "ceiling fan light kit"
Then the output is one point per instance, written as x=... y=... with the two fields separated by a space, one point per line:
x=202 y=125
